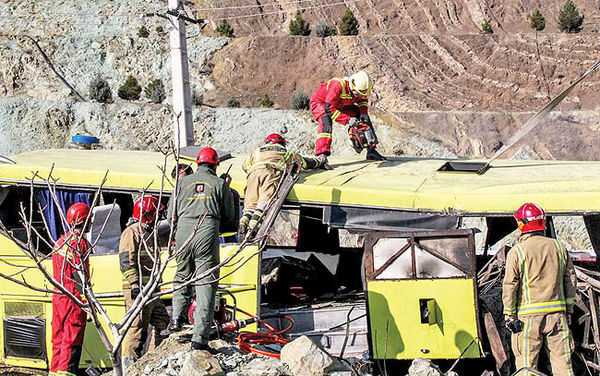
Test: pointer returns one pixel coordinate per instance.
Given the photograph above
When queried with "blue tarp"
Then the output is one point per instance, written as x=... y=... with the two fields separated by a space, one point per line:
x=65 y=200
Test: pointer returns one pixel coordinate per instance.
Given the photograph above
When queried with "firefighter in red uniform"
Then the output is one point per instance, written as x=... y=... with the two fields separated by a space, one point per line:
x=345 y=101
x=70 y=266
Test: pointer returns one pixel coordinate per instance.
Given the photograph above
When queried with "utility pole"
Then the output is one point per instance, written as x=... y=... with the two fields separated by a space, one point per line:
x=180 y=73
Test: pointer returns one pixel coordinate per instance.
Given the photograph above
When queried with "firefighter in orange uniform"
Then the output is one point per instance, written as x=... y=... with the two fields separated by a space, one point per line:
x=71 y=269
x=345 y=101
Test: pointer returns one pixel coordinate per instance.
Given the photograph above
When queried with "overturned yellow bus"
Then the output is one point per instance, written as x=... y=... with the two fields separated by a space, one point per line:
x=377 y=257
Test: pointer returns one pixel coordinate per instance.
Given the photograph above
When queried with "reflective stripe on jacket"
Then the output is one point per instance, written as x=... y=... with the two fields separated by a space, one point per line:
x=335 y=94
x=539 y=277
x=133 y=253
x=273 y=156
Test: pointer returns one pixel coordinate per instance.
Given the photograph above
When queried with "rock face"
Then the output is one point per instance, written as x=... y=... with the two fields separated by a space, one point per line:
x=200 y=363
x=304 y=358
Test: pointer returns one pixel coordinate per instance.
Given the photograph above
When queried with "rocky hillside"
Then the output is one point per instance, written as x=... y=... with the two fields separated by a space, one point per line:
x=441 y=89
x=377 y=17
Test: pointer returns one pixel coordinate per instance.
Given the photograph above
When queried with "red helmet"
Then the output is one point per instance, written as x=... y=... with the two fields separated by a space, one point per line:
x=77 y=214
x=145 y=208
x=530 y=217
x=275 y=138
x=208 y=155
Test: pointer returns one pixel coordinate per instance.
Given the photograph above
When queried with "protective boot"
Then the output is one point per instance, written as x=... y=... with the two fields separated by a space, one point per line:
x=323 y=163
x=203 y=346
x=176 y=325
x=373 y=155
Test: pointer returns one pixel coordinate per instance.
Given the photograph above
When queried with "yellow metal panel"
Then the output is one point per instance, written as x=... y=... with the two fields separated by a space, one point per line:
x=395 y=319
x=401 y=183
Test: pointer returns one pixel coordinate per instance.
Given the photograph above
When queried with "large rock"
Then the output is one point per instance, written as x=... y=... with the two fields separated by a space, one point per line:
x=263 y=366
x=201 y=363
x=424 y=367
x=304 y=358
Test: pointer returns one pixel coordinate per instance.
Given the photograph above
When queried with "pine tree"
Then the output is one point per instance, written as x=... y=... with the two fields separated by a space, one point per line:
x=130 y=90
x=224 y=29
x=486 y=28
x=537 y=21
x=265 y=101
x=299 y=26
x=349 y=23
x=569 y=19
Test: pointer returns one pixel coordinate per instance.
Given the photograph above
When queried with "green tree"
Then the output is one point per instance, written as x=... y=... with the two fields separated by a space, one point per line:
x=323 y=29
x=130 y=90
x=100 y=90
x=265 y=101
x=299 y=26
x=486 y=28
x=348 y=24
x=569 y=19
x=143 y=32
x=224 y=29
x=537 y=20
x=160 y=29
x=155 y=91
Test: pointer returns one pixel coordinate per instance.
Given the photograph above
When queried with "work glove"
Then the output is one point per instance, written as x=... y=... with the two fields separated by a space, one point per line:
x=365 y=119
x=226 y=177
x=569 y=318
x=135 y=292
x=352 y=122
x=514 y=325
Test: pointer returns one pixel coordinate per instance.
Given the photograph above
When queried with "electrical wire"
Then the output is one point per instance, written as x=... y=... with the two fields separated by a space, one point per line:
x=255 y=5
x=284 y=11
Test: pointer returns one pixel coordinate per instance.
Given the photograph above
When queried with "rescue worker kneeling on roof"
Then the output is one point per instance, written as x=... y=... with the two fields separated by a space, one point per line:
x=538 y=294
x=264 y=168
x=70 y=267
x=205 y=201
x=345 y=101
x=136 y=252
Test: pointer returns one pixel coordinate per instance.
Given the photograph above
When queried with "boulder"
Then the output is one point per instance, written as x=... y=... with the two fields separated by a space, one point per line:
x=424 y=367
x=305 y=358
x=263 y=366
x=201 y=363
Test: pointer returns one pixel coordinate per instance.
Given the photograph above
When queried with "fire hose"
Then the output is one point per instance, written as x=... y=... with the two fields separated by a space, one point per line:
x=249 y=341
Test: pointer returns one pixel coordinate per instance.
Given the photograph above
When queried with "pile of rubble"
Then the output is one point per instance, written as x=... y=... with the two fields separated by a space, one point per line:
x=300 y=357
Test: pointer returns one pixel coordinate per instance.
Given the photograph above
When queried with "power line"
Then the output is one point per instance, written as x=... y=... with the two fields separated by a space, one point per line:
x=283 y=11
x=255 y=5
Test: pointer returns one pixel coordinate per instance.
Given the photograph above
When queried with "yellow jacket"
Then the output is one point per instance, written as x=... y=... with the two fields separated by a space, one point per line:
x=539 y=278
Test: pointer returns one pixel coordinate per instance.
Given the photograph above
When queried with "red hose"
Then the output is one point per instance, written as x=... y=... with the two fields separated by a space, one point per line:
x=247 y=340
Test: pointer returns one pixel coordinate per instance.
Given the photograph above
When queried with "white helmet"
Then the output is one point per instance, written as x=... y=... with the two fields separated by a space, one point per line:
x=361 y=83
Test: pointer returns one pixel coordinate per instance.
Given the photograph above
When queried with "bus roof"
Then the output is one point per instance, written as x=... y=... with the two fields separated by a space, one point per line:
x=399 y=183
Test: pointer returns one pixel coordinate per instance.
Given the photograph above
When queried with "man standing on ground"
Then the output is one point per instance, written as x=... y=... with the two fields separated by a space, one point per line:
x=538 y=293
x=70 y=268
x=202 y=197
x=264 y=167
x=344 y=100
x=136 y=253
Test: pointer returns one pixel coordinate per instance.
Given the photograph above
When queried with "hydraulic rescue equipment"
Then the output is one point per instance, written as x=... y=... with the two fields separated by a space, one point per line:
x=362 y=136
x=249 y=342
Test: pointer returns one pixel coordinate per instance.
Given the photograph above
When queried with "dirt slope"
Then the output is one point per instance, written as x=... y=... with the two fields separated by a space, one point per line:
x=415 y=72
x=396 y=16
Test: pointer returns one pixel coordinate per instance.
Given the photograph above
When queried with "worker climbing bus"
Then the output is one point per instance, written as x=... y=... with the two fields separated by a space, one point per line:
x=345 y=101
x=264 y=167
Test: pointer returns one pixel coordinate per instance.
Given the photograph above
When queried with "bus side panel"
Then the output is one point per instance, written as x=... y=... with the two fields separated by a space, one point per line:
x=424 y=318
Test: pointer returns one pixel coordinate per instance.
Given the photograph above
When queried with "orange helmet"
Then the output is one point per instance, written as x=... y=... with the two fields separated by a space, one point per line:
x=530 y=217
x=275 y=138
x=77 y=213
x=208 y=155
